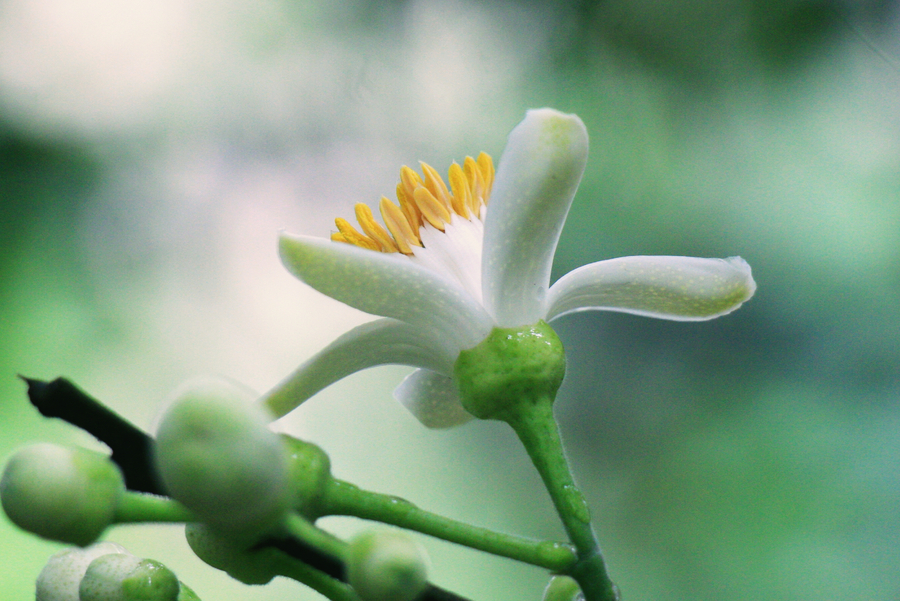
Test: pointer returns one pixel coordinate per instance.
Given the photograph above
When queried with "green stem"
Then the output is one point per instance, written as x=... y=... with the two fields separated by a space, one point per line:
x=342 y=498
x=299 y=527
x=136 y=508
x=321 y=583
x=536 y=427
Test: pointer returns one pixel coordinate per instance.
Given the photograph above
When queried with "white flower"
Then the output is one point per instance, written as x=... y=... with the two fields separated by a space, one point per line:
x=459 y=262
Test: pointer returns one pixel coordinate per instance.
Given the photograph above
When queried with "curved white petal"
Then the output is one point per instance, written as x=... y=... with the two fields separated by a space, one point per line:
x=432 y=398
x=676 y=288
x=380 y=342
x=389 y=285
x=538 y=174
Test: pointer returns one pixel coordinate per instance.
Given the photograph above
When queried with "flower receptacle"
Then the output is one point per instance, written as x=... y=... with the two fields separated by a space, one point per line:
x=309 y=475
x=509 y=368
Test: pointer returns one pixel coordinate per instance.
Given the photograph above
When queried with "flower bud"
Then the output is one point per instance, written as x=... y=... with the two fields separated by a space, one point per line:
x=309 y=473
x=124 y=577
x=386 y=566
x=563 y=588
x=185 y=593
x=64 y=494
x=509 y=367
x=254 y=566
x=61 y=576
x=217 y=456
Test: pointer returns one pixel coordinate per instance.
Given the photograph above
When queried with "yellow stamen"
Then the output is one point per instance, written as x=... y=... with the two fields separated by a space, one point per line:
x=396 y=222
x=350 y=235
x=435 y=185
x=408 y=206
x=373 y=229
x=432 y=210
x=462 y=192
x=410 y=180
x=423 y=199
x=487 y=172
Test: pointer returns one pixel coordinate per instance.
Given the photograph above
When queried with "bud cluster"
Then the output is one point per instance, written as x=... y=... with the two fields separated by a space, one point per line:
x=107 y=572
x=236 y=482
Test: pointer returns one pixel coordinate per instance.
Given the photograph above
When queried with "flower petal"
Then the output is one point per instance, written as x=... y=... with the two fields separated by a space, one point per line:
x=676 y=288
x=379 y=342
x=536 y=180
x=432 y=398
x=389 y=285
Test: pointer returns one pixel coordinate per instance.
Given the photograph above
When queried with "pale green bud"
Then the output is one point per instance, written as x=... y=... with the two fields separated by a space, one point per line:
x=216 y=455
x=563 y=588
x=386 y=566
x=510 y=367
x=185 y=593
x=64 y=494
x=61 y=576
x=256 y=566
x=309 y=472
x=120 y=577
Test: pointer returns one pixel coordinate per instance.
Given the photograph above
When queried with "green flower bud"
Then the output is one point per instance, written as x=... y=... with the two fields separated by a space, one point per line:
x=185 y=593
x=309 y=473
x=509 y=367
x=61 y=576
x=216 y=455
x=250 y=566
x=120 y=577
x=64 y=494
x=386 y=566
x=563 y=588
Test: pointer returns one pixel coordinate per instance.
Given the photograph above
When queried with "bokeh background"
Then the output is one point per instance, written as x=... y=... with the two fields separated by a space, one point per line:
x=151 y=151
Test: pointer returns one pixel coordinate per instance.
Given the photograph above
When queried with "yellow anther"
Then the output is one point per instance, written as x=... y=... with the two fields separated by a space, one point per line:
x=435 y=184
x=409 y=208
x=410 y=180
x=435 y=212
x=405 y=236
x=373 y=229
x=476 y=184
x=462 y=193
x=350 y=235
x=486 y=166
x=422 y=200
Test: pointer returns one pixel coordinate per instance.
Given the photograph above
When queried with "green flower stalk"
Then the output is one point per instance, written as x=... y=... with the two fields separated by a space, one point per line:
x=513 y=376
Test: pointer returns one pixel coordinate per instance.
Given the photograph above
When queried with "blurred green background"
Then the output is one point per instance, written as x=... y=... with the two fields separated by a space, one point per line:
x=150 y=152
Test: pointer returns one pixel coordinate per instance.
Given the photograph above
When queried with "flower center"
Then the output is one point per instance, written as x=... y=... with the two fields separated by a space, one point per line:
x=423 y=202
x=437 y=227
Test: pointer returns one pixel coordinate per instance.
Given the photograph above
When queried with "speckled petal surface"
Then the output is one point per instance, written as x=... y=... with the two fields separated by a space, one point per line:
x=537 y=177
x=389 y=285
x=380 y=342
x=676 y=288
x=432 y=398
